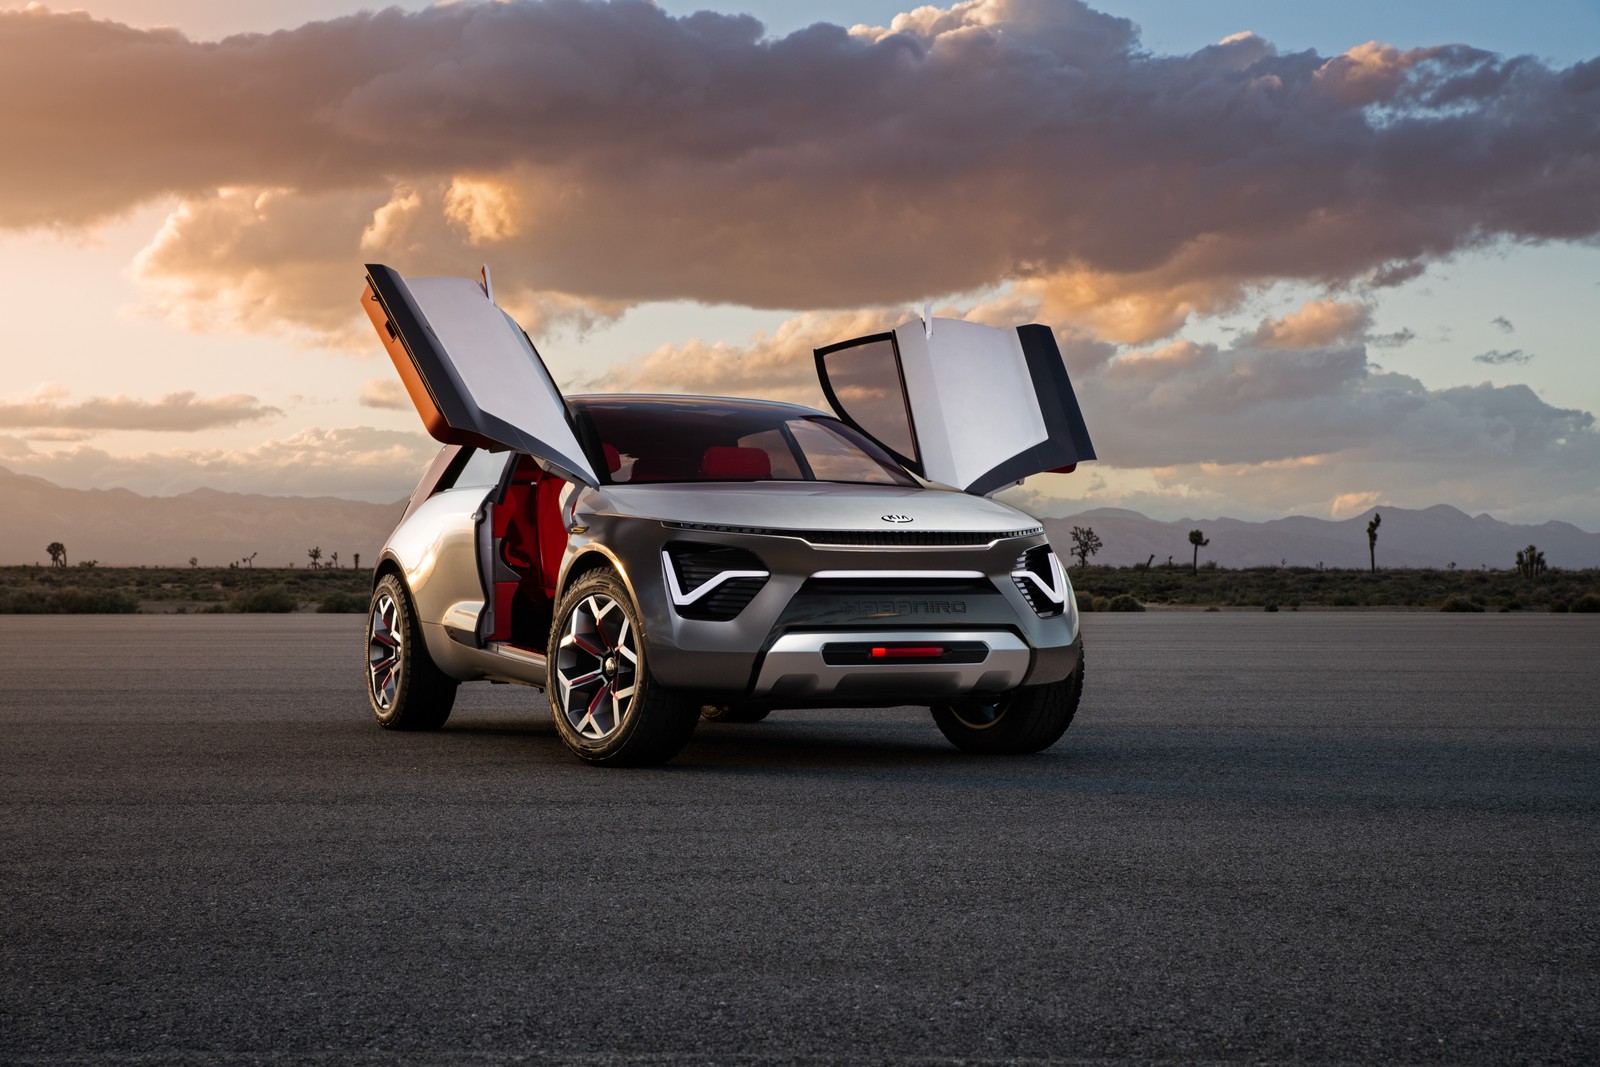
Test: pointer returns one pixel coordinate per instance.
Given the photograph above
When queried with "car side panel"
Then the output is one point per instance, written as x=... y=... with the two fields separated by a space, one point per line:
x=437 y=549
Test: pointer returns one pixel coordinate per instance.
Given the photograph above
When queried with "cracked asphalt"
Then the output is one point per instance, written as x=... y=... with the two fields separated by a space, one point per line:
x=1300 y=837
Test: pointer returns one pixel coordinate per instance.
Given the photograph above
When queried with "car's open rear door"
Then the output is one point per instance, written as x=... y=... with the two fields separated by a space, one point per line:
x=472 y=373
x=958 y=402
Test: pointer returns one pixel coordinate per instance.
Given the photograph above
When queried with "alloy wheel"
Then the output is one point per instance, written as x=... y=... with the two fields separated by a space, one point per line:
x=385 y=644
x=597 y=666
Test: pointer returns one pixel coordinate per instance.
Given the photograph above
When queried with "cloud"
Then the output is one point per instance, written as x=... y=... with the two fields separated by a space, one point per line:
x=1496 y=358
x=1502 y=322
x=384 y=393
x=1399 y=338
x=183 y=412
x=1318 y=323
x=356 y=462
x=611 y=154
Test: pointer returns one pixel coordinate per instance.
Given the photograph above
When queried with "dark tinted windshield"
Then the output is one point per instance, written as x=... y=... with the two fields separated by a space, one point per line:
x=693 y=439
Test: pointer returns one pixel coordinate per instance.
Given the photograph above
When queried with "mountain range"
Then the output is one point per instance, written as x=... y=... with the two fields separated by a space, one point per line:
x=116 y=526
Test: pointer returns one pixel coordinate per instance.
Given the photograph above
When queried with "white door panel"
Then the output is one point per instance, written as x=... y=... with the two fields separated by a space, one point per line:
x=976 y=378
x=959 y=402
x=471 y=370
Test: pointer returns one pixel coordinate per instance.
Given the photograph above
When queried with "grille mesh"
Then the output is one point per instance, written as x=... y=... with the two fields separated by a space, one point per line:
x=697 y=564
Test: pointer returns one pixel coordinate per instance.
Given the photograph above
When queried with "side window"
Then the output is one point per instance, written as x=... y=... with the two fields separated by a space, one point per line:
x=862 y=379
x=481 y=469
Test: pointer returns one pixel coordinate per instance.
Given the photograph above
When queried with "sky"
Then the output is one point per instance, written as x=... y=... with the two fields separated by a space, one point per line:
x=1301 y=258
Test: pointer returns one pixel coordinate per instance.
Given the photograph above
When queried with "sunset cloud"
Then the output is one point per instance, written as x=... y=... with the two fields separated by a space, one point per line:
x=1318 y=323
x=186 y=412
x=613 y=154
x=386 y=393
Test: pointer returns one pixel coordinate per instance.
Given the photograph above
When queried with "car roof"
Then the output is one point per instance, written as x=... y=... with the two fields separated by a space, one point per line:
x=588 y=400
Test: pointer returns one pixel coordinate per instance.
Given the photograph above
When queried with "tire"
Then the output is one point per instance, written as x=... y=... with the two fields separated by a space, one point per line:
x=406 y=690
x=733 y=713
x=606 y=706
x=1014 y=723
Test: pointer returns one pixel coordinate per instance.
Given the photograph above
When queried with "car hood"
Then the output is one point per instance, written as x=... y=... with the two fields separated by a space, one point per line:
x=808 y=506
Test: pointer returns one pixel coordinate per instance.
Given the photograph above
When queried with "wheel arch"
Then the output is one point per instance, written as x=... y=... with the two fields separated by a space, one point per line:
x=388 y=564
x=592 y=558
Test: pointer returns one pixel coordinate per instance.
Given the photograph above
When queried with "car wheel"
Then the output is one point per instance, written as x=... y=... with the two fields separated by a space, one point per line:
x=1021 y=721
x=406 y=690
x=733 y=713
x=606 y=706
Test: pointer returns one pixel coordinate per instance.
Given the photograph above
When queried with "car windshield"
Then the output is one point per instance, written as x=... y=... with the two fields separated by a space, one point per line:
x=695 y=439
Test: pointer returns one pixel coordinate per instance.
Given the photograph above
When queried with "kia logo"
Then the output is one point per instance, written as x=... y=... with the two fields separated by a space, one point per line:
x=897 y=518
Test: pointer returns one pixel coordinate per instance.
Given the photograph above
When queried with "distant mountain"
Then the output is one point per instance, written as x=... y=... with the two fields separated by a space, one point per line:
x=1431 y=537
x=115 y=526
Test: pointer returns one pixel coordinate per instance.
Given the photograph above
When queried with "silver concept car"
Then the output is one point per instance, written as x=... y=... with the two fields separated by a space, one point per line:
x=651 y=559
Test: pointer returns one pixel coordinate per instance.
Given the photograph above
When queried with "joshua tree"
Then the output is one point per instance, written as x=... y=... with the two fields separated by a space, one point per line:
x=58 y=553
x=250 y=560
x=333 y=559
x=194 y=561
x=355 y=561
x=316 y=555
x=1530 y=562
x=1085 y=543
x=1372 y=540
x=1199 y=541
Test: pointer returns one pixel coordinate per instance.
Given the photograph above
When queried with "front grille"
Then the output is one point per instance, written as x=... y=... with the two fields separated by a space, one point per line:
x=869 y=538
x=696 y=564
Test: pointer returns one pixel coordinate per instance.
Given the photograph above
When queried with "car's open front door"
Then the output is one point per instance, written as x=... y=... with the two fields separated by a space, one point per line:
x=958 y=402
x=472 y=373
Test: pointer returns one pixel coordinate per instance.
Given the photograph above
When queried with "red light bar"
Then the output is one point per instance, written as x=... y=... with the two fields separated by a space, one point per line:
x=908 y=652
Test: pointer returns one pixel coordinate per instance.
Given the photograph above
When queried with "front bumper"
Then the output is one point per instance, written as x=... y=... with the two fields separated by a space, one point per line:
x=776 y=648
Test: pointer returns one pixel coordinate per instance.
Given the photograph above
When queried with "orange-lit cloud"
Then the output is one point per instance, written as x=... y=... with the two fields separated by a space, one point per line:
x=184 y=412
x=1318 y=323
x=612 y=154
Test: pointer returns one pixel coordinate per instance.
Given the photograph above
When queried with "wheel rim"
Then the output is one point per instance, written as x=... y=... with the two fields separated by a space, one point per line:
x=597 y=666
x=385 y=643
x=978 y=714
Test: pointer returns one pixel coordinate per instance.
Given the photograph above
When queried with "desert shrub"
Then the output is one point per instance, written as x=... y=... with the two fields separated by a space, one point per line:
x=342 y=604
x=1085 y=601
x=1125 y=602
x=1270 y=606
x=1559 y=606
x=1460 y=603
x=1213 y=608
x=1588 y=602
x=1100 y=604
x=271 y=599
x=68 y=602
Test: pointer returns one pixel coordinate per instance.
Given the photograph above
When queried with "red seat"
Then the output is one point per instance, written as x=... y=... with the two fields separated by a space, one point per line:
x=735 y=464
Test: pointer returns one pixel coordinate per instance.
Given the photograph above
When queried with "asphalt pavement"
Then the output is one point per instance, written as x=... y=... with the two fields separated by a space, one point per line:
x=1292 y=837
